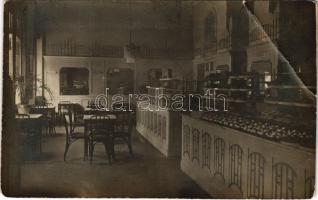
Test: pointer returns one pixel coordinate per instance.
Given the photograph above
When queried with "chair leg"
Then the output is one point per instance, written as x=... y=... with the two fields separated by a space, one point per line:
x=45 y=129
x=108 y=150
x=91 y=152
x=40 y=142
x=130 y=146
x=112 y=145
x=66 y=150
x=53 y=127
x=50 y=128
x=32 y=145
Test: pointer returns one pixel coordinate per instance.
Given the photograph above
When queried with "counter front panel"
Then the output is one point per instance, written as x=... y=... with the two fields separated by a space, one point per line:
x=158 y=129
x=229 y=163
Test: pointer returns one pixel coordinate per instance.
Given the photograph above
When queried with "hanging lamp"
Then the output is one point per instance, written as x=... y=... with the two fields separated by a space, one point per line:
x=131 y=49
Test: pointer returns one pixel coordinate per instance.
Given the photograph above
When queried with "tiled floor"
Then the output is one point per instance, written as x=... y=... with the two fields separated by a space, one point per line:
x=147 y=174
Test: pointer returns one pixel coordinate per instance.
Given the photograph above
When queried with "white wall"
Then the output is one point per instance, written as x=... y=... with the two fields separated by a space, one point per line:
x=97 y=67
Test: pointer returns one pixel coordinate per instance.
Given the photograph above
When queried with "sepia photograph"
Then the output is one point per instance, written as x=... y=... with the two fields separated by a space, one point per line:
x=204 y=99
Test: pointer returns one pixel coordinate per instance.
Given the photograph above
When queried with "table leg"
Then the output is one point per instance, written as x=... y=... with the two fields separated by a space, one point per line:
x=113 y=144
x=40 y=135
x=113 y=149
x=52 y=121
x=85 y=142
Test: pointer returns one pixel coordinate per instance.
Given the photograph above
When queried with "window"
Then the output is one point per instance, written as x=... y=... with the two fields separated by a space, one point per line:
x=210 y=28
x=207 y=67
x=74 y=81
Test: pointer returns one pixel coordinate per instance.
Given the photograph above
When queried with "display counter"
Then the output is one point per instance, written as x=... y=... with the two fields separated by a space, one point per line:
x=162 y=129
x=231 y=163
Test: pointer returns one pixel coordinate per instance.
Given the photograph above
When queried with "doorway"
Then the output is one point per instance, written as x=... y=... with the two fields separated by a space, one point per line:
x=120 y=81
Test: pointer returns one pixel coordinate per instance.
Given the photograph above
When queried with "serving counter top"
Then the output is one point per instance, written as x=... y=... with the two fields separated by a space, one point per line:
x=292 y=132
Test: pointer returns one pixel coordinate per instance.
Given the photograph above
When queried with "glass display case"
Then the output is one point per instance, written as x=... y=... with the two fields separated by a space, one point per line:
x=288 y=90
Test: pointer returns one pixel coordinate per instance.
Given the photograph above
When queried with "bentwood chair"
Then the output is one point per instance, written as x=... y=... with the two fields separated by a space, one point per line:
x=77 y=113
x=51 y=118
x=50 y=115
x=63 y=108
x=101 y=131
x=43 y=109
x=71 y=135
x=123 y=129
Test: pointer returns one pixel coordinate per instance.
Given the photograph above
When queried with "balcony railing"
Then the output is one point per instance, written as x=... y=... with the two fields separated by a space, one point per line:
x=95 y=49
x=72 y=48
x=267 y=31
x=146 y=52
x=213 y=47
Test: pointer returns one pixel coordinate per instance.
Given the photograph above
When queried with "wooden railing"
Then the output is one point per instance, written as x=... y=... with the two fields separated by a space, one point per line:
x=267 y=31
x=146 y=52
x=71 y=47
x=213 y=47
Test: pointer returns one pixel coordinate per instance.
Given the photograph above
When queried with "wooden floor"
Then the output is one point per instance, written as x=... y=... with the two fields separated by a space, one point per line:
x=147 y=174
